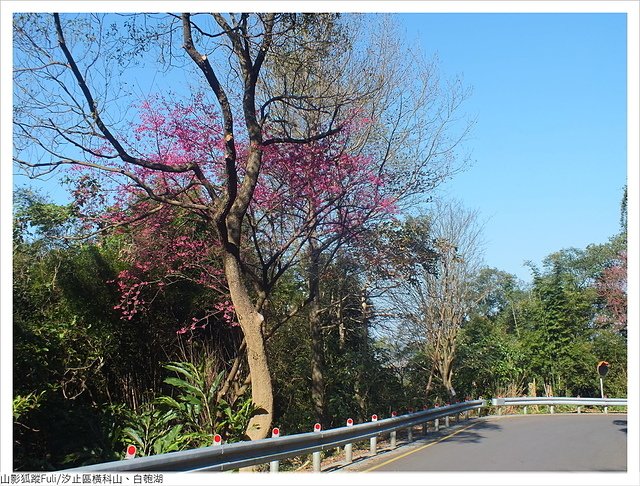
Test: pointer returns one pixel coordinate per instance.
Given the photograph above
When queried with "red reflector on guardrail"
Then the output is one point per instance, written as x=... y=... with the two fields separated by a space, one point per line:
x=131 y=452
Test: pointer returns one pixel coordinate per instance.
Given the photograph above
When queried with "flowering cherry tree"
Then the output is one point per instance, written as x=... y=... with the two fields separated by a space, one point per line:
x=203 y=173
x=317 y=190
x=230 y=186
x=309 y=198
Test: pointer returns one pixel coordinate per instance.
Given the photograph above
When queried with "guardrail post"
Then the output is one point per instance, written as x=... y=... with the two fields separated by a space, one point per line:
x=606 y=409
x=274 y=466
x=317 y=461
x=552 y=409
x=525 y=410
x=498 y=402
x=436 y=425
x=348 y=448
x=392 y=435
x=373 y=441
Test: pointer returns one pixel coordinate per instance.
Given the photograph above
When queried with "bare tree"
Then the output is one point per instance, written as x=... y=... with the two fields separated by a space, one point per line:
x=434 y=302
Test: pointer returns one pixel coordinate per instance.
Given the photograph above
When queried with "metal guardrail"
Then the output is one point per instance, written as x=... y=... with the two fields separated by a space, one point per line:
x=227 y=457
x=242 y=454
x=551 y=401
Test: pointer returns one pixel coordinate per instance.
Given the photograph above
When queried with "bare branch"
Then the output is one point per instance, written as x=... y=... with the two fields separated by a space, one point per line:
x=93 y=107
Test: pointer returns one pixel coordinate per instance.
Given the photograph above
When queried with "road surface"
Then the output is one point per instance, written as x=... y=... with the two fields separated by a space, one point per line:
x=571 y=442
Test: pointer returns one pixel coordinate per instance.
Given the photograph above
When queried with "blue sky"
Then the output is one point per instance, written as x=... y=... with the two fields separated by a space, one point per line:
x=549 y=146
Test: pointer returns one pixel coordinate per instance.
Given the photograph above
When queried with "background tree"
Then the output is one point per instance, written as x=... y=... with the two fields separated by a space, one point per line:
x=64 y=338
x=557 y=328
x=491 y=358
x=435 y=304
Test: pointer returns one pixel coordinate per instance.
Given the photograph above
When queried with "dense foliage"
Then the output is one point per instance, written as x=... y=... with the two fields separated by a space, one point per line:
x=90 y=379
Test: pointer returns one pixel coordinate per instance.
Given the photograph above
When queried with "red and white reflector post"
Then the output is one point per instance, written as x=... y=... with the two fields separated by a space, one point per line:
x=373 y=441
x=131 y=452
x=317 y=461
x=348 y=448
x=274 y=466
x=217 y=440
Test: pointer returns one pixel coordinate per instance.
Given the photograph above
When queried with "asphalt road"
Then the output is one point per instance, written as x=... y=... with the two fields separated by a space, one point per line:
x=571 y=442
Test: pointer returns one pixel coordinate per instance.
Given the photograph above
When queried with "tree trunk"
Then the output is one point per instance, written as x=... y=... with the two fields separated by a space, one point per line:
x=251 y=324
x=360 y=397
x=427 y=390
x=318 y=397
x=447 y=380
